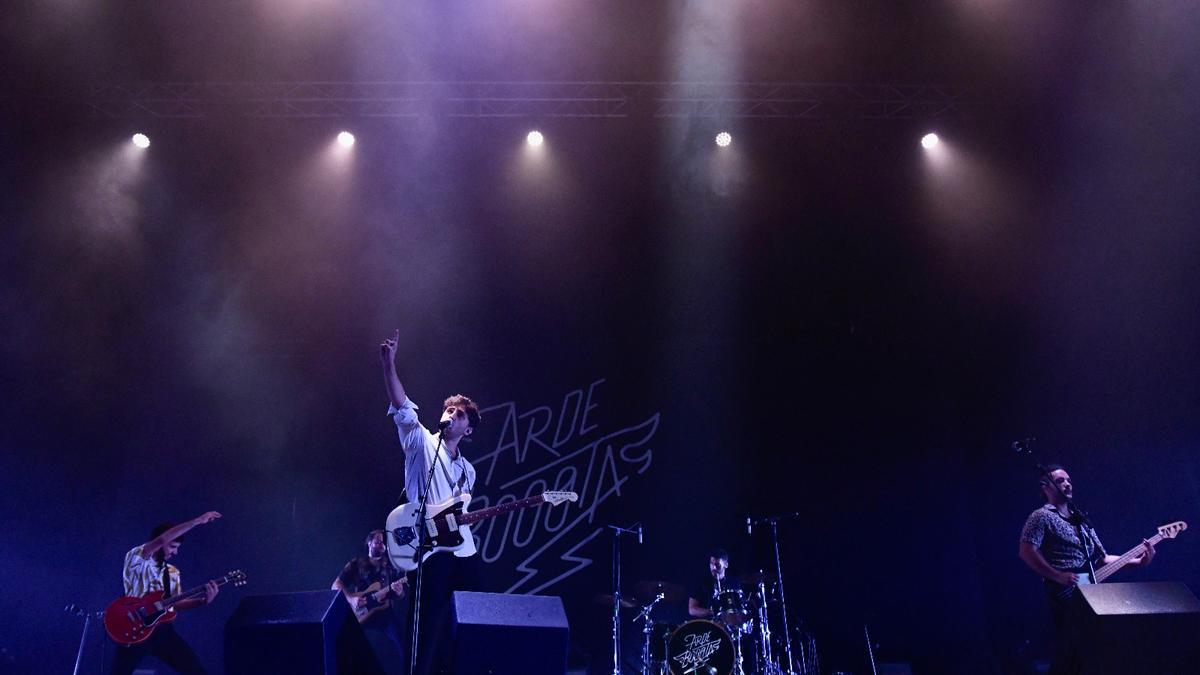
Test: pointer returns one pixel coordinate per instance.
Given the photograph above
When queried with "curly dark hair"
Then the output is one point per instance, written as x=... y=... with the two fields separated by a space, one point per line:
x=460 y=401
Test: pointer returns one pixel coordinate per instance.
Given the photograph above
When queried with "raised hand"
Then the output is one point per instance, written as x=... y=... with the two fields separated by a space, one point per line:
x=205 y=518
x=387 y=350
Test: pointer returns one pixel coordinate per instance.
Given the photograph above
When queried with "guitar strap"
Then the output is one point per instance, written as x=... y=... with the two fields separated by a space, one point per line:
x=166 y=579
x=462 y=478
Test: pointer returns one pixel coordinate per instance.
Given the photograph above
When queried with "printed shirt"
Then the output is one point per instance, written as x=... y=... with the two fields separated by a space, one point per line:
x=451 y=477
x=142 y=575
x=1058 y=540
x=704 y=588
x=360 y=573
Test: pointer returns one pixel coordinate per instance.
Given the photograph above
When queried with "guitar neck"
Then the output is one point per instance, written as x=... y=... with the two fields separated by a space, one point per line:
x=1112 y=567
x=191 y=593
x=500 y=509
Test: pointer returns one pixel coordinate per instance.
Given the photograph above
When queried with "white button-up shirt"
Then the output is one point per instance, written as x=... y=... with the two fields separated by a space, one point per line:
x=450 y=477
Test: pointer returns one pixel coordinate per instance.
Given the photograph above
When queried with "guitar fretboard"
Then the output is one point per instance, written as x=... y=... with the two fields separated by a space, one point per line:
x=193 y=592
x=499 y=509
x=1112 y=567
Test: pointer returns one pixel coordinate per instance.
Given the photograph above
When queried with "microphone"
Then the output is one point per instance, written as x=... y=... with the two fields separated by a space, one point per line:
x=442 y=426
x=749 y=526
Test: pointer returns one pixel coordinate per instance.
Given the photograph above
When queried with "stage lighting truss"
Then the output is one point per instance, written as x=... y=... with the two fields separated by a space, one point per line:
x=722 y=100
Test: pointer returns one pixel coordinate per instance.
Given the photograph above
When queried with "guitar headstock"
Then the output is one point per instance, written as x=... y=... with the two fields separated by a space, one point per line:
x=554 y=498
x=236 y=577
x=1169 y=531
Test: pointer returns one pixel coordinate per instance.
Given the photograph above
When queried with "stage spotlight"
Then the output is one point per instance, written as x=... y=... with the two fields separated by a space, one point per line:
x=345 y=139
x=141 y=140
x=929 y=140
x=534 y=138
x=724 y=139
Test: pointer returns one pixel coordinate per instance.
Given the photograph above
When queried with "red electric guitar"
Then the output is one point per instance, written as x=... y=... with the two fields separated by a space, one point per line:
x=130 y=620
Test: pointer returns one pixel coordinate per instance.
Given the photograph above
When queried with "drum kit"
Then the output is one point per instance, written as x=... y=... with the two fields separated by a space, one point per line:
x=736 y=640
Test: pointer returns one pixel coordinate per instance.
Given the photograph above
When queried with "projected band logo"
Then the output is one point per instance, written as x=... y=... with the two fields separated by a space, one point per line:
x=538 y=450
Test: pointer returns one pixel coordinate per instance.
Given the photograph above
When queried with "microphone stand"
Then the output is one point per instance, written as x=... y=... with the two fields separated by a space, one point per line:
x=773 y=521
x=87 y=622
x=417 y=558
x=1025 y=447
x=616 y=575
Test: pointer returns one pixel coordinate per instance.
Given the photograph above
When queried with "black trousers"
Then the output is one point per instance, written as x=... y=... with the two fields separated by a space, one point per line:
x=443 y=575
x=388 y=636
x=1067 y=614
x=165 y=645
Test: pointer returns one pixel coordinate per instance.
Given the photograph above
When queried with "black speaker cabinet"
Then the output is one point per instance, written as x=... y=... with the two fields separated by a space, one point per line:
x=296 y=633
x=501 y=634
x=1140 y=628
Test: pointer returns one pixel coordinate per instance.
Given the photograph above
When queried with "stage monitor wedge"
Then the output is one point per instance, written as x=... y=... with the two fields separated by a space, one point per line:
x=503 y=634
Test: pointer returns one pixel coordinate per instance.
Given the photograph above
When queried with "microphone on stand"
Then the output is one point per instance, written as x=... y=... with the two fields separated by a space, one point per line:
x=1024 y=445
x=442 y=426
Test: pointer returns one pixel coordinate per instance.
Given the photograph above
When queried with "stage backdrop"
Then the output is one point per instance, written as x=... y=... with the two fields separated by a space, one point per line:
x=817 y=320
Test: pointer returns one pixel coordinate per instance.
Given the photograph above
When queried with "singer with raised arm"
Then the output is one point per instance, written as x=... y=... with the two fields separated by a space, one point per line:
x=146 y=570
x=1060 y=545
x=437 y=450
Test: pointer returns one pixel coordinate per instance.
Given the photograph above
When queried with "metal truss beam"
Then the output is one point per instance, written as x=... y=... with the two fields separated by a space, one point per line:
x=725 y=100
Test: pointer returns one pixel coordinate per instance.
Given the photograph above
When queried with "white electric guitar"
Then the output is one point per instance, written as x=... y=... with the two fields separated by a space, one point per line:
x=446 y=526
x=1169 y=531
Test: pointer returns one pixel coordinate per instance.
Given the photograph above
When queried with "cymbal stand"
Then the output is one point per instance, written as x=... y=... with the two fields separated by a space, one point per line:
x=647 y=630
x=773 y=521
x=766 y=659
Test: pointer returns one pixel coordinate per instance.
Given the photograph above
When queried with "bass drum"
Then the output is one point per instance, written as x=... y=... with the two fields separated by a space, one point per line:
x=700 y=647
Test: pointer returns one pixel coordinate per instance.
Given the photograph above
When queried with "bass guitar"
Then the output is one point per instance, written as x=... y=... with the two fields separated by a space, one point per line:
x=1169 y=531
x=446 y=526
x=130 y=621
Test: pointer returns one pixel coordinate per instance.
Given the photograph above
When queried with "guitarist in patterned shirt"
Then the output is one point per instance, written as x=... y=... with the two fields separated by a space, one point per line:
x=374 y=589
x=146 y=568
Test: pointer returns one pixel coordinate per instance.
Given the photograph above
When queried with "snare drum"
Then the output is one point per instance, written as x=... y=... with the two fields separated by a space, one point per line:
x=731 y=608
x=700 y=646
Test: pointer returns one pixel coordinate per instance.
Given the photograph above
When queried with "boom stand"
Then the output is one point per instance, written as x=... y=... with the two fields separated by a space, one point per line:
x=616 y=575
x=87 y=621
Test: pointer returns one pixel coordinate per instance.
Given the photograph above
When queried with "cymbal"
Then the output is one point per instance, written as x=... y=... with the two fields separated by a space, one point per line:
x=607 y=599
x=647 y=590
x=752 y=578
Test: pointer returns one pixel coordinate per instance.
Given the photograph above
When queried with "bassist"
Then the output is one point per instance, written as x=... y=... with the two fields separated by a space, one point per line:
x=1058 y=545
x=146 y=570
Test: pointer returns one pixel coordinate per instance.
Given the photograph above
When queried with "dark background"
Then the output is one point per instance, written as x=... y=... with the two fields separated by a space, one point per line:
x=824 y=318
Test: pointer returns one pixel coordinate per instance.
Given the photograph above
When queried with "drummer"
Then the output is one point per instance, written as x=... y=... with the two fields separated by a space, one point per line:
x=703 y=593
